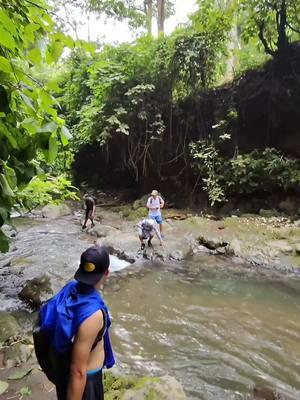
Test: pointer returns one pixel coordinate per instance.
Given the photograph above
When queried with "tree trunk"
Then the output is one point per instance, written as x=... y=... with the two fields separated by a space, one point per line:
x=149 y=14
x=161 y=16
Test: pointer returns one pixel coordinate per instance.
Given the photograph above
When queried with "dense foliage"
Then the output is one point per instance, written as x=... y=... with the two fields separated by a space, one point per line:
x=29 y=114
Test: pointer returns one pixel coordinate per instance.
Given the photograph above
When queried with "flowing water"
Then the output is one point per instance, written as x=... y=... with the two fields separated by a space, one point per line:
x=219 y=332
x=220 y=329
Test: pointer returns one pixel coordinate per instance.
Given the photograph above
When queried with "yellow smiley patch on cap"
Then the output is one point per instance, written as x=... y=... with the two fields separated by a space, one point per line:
x=89 y=267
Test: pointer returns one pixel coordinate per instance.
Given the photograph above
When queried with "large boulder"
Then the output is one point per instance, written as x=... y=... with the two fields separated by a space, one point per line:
x=142 y=388
x=166 y=388
x=142 y=202
x=53 y=211
x=212 y=243
x=289 y=206
x=9 y=326
x=37 y=291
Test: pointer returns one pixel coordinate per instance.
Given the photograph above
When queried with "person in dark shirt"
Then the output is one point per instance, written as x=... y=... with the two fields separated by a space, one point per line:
x=90 y=208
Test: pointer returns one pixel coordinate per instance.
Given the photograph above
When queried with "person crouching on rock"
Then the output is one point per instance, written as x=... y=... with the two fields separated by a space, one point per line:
x=90 y=209
x=72 y=342
x=146 y=230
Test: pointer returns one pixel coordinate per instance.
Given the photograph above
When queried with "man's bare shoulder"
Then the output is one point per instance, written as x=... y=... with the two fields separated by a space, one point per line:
x=92 y=325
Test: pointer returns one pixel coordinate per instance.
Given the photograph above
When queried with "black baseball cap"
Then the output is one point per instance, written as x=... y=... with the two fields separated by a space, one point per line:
x=94 y=262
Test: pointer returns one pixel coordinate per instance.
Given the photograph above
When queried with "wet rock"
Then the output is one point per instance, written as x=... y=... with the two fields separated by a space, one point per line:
x=17 y=354
x=53 y=211
x=211 y=243
x=9 y=326
x=102 y=230
x=36 y=291
x=267 y=393
x=297 y=248
x=234 y=248
x=267 y=213
x=281 y=245
x=289 y=206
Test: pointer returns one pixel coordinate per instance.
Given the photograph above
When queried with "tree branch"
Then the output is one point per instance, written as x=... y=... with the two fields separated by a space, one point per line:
x=261 y=27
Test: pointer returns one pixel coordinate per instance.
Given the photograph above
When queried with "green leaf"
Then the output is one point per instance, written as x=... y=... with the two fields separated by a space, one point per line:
x=5 y=65
x=35 y=56
x=19 y=374
x=65 y=135
x=53 y=148
x=54 y=51
x=8 y=135
x=27 y=101
x=49 y=127
x=6 y=39
x=7 y=22
x=3 y=384
x=29 y=30
x=6 y=189
x=25 y=391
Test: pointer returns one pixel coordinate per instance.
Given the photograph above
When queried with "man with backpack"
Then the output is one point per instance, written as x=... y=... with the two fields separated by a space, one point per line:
x=71 y=339
x=155 y=203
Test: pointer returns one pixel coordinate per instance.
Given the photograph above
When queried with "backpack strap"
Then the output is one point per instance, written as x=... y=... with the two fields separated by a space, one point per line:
x=102 y=331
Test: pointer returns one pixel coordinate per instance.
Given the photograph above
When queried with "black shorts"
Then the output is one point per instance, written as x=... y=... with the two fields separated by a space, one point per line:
x=88 y=213
x=93 y=388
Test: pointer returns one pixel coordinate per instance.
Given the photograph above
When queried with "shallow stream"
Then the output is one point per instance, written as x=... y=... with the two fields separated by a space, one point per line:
x=219 y=329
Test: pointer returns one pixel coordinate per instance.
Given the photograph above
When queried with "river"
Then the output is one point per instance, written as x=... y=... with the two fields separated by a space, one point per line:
x=219 y=329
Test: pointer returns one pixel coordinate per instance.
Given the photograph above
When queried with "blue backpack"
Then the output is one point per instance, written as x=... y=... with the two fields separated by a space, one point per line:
x=58 y=323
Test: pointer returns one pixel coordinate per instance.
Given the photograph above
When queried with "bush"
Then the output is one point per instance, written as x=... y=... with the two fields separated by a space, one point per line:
x=257 y=172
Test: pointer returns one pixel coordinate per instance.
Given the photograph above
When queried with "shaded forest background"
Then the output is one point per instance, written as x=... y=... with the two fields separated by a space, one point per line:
x=209 y=114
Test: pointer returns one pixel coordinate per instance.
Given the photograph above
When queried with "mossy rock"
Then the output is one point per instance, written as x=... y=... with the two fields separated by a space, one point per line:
x=9 y=326
x=145 y=388
x=140 y=203
x=138 y=214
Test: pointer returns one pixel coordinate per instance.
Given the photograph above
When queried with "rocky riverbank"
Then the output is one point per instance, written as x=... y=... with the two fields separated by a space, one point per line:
x=265 y=244
x=271 y=242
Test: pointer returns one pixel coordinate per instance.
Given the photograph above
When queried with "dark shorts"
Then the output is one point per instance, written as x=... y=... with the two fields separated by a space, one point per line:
x=88 y=213
x=93 y=388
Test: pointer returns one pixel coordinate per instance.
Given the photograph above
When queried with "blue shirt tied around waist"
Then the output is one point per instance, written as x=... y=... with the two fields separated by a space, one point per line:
x=62 y=316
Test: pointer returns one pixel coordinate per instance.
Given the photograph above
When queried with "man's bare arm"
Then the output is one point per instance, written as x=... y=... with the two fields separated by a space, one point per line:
x=83 y=343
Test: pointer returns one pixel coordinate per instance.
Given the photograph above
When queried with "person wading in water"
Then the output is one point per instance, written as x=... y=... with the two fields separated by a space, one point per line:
x=155 y=203
x=72 y=342
x=90 y=209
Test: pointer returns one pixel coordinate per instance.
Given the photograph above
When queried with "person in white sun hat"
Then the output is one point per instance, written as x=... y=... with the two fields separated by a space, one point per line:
x=154 y=204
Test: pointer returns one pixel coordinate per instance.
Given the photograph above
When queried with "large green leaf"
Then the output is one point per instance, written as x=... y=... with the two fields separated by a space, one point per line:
x=65 y=135
x=6 y=39
x=8 y=135
x=35 y=56
x=53 y=148
x=4 y=247
x=4 y=185
x=5 y=65
x=8 y=23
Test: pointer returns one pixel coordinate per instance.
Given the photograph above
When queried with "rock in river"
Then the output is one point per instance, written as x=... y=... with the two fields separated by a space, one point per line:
x=36 y=291
x=9 y=326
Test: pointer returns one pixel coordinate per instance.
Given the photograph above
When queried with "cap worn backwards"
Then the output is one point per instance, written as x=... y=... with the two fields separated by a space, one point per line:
x=94 y=263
